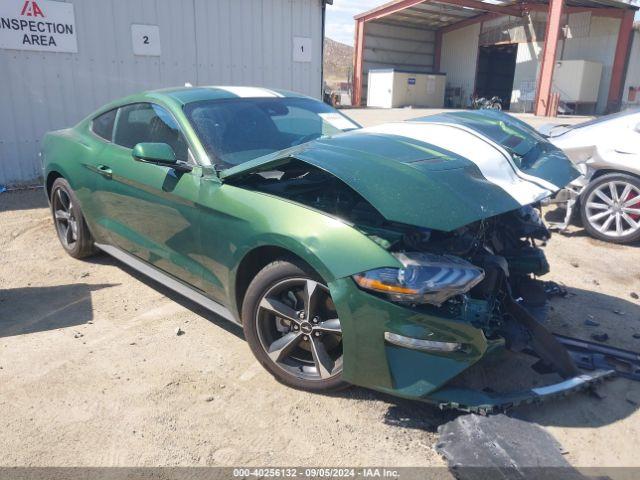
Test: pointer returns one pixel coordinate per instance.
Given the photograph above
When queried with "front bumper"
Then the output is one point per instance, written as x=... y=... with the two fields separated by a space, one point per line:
x=477 y=401
x=372 y=362
x=422 y=374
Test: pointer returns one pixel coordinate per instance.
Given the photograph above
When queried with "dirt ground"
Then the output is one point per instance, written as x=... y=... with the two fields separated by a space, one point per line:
x=92 y=372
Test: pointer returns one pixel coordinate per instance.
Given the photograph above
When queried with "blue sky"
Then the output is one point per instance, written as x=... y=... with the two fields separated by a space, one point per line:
x=339 y=21
x=340 y=17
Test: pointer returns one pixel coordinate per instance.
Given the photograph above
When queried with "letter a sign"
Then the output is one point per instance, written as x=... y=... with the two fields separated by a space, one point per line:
x=41 y=25
x=31 y=9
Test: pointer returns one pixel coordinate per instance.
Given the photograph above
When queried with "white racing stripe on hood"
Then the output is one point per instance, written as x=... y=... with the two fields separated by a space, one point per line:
x=541 y=182
x=250 y=92
x=492 y=163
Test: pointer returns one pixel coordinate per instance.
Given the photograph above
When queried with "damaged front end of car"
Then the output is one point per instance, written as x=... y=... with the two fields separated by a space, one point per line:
x=456 y=316
x=483 y=276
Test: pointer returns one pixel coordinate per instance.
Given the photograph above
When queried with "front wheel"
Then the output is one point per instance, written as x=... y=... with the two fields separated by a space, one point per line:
x=610 y=208
x=292 y=327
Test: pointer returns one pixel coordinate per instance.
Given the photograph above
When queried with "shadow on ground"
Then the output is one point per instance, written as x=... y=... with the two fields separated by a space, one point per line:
x=28 y=199
x=37 y=309
x=103 y=259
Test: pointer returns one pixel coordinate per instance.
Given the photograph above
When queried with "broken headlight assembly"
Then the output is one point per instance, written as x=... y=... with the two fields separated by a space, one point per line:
x=423 y=278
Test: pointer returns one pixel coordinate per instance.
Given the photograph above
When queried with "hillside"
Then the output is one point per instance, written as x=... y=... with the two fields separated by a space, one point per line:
x=338 y=62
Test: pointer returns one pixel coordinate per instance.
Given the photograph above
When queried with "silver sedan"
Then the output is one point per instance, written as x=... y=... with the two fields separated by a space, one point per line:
x=607 y=196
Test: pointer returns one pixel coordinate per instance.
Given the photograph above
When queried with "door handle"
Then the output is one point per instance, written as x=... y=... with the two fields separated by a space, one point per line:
x=105 y=171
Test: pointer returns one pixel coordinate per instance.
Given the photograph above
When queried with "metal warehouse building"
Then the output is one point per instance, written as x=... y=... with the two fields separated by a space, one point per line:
x=526 y=52
x=60 y=60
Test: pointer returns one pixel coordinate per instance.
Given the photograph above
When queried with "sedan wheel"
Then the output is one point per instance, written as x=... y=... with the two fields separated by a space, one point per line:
x=611 y=208
x=292 y=326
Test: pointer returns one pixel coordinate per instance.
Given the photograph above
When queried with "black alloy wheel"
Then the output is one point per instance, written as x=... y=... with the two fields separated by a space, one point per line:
x=291 y=324
x=70 y=224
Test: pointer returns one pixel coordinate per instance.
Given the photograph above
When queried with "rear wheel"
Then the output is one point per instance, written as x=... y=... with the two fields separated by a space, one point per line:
x=610 y=208
x=69 y=221
x=292 y=327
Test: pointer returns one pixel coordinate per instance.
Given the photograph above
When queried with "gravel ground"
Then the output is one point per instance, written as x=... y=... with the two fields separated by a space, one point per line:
x=92 y=372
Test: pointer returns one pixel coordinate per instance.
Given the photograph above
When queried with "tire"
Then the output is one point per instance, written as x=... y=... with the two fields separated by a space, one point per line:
x=612 y=219
x=301 y=352
x=69 y=222
x=496 y=106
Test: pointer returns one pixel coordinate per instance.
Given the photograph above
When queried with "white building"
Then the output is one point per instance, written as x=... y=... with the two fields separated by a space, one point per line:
x=631 y=92
x=60 y=60
x=489 y=47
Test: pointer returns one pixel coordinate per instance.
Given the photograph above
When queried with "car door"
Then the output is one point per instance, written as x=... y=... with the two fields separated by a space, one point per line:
x=150 y=210
x=99 y=135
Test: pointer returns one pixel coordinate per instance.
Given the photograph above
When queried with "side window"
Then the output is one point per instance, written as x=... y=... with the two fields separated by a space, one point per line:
x=145 y=122
x=103 y=124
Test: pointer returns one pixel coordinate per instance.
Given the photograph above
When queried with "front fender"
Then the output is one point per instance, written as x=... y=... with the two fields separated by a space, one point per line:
x=334 y=251
x=251 y=220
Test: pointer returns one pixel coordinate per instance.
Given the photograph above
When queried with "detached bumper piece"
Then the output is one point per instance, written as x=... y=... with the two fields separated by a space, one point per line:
x=484 y=403
x=595 y=356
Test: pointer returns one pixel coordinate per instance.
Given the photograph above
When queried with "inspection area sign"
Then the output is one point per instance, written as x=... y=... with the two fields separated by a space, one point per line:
x=37 y=25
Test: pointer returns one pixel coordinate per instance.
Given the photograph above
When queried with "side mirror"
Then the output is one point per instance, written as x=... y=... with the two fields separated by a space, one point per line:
x=159 y=153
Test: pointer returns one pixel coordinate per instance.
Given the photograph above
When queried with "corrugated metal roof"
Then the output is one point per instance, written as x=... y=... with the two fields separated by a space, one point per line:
x=597 y=3
x=430 y=15
x=436 y=14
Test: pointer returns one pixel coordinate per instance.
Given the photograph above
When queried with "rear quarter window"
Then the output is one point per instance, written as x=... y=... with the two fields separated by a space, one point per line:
x=102 y=125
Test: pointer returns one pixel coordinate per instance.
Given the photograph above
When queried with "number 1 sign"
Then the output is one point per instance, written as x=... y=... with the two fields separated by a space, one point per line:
x=301 y=49
x=145 y=40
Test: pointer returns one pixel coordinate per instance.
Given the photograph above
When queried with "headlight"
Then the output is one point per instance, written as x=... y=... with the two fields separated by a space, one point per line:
x=424 y=278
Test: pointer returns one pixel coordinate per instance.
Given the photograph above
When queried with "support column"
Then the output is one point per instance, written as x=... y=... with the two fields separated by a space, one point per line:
x=356 y=96
x=551 y=37
x=437 y=53
x=621 y=58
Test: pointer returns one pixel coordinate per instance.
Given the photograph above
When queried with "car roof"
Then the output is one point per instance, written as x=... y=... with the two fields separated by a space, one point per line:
x=186 y=95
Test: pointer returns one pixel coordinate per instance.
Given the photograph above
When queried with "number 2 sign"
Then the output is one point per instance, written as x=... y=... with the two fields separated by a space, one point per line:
x=301 y=49
x=145 y=39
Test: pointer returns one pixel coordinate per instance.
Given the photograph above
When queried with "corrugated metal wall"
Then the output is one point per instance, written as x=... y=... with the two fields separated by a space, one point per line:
x=393 y=46
x=238 y=42
x=599 y=46
x=459 y=58
x=525 y=76
x=633 y=73
x=596 y=43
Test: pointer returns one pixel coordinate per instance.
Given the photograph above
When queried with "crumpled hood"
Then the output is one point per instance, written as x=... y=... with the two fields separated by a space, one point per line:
x=440 y=172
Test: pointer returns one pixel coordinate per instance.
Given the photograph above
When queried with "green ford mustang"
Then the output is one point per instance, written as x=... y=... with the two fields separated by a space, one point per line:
x=398 y=257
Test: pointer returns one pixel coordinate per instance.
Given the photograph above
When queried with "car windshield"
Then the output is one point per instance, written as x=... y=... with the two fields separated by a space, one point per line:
x=236 y=130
